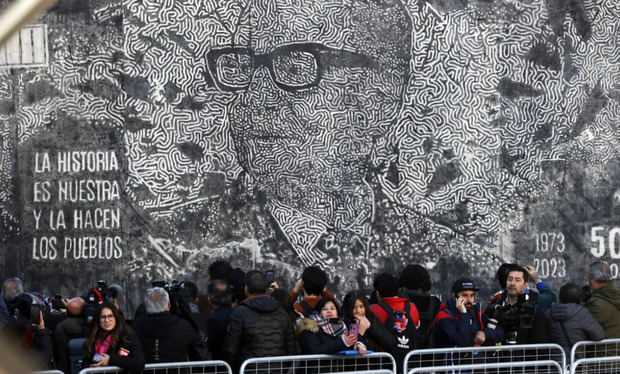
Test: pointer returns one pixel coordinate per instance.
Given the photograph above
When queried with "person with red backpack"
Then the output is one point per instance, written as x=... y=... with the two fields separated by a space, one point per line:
x=398 y=314
x=460 y=321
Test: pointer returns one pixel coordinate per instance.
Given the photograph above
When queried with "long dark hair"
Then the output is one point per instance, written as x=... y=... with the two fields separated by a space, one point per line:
x=349 y=303
x=120 y=331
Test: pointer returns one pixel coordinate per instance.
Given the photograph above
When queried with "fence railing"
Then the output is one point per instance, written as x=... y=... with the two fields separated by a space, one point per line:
x=540 y=367
x=306 y=364
x=598 y=365
x=453 y=357
x=47 y=372
x=206 y=367
x=592 y=349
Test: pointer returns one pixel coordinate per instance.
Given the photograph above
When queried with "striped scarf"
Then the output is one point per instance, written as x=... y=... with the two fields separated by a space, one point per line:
x=333 y=326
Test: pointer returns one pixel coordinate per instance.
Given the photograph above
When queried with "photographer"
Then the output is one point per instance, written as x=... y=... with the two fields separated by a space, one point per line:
x=74 y=326
x=28 y=330
x=517 y=311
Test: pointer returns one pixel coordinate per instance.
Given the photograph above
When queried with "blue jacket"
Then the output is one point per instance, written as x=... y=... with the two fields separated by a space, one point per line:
x=456 y=329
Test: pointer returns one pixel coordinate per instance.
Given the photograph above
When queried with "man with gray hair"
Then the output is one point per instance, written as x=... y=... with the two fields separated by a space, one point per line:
x=164 y=336
x=11 y=288
x=604 y=304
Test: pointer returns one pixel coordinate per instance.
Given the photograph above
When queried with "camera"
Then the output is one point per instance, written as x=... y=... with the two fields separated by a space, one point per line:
x=512 y=317
x=29 y=306
x=180 y=300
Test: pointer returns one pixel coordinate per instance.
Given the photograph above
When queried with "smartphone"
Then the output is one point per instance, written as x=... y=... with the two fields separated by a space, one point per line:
x=269 y=277
x=353 y=329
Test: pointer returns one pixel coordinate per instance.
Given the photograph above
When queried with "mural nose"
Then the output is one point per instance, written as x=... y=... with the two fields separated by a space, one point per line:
x=263 y=93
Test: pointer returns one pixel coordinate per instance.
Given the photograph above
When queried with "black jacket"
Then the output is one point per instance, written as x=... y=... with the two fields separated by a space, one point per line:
x=537 y=334
x=312 y=339
x=167 y=338
x=377 y=338
x=258 y=327
x=133 y=362
x=217 y=325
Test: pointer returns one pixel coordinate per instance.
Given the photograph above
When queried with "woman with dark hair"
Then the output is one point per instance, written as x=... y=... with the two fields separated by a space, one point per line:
x=371 y=331
x=112 y=342
x=325 y=331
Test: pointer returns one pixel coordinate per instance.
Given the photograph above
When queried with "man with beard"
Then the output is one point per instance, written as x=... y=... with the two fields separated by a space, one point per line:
x=517 y=311
x=460 y=322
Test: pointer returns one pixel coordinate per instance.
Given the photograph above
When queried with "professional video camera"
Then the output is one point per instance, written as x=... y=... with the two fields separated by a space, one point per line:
x=512 y=317
x=29 y=306
x=97 y=296
x=180 y=300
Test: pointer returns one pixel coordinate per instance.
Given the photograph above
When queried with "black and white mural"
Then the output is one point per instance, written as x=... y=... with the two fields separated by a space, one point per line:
x=142 y=140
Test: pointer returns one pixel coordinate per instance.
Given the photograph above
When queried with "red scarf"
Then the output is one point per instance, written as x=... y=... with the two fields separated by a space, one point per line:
x=102 y=347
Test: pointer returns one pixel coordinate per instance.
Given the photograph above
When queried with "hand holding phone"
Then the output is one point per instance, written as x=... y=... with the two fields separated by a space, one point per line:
x=354 y=330
x=460 y=304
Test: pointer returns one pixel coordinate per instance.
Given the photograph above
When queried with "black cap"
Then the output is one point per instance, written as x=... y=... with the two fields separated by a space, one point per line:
x=464 y=284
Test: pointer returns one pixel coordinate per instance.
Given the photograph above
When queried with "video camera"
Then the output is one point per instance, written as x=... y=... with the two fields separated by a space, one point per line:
x=180 y=300
x=512 y=317
x=29 y=306
x=97 y=296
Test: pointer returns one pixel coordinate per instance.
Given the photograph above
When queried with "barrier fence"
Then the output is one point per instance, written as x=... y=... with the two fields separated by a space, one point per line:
x=47 y=372
x=457 y=357
x=306 y=364
x=546 y=367
x=598 y=365
x=193 y=367
x=592 y=349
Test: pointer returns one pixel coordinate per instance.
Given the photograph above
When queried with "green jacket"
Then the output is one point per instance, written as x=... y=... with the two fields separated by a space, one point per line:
x=604 y=304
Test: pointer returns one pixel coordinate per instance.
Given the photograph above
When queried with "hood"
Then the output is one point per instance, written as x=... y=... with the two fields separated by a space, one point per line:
x=261 y=304
x=307 y=324
x=610 y=294
x=154 y=323
x=420 y=299
x=562 y=312
x=396 y=303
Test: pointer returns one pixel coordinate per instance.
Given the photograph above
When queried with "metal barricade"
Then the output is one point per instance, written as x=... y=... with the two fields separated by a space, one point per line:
x=306 y=364
x=194 y=367
x=456 y=357
x=47 y=372
x=598 y=365
x=545 y=366
x=592 y=349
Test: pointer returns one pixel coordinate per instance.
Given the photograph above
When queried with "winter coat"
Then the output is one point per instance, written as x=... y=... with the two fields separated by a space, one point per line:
x=537 y=334
x=428 y=307
x=312 y=301
x=312 y=339
x=456 y=329
x=132 y=361
x=258 y=327
x=604 y=304
x=217 y=325
x=578 y=323
x=377 y=337
x=397 y=304
x=167 y=338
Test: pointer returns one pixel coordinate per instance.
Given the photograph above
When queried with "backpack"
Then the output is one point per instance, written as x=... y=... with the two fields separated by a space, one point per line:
x=426 y=332
x=402 y=329
x=308 y=309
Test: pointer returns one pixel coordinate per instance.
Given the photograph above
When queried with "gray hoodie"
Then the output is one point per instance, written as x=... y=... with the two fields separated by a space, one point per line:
x=578 y=323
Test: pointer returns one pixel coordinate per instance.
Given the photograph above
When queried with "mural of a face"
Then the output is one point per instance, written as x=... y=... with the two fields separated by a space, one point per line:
x=316 y=84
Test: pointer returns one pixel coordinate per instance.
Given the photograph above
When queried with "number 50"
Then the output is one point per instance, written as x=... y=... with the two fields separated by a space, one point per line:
x=598 y=236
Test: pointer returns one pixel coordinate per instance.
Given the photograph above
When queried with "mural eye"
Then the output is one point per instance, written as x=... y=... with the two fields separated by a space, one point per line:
x=296 y=68
x=234 y=69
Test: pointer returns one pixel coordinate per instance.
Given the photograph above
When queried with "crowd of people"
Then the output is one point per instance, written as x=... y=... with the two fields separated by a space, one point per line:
x=247 y=315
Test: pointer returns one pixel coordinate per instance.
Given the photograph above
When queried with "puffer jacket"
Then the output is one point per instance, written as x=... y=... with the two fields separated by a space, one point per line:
x=258 y=327
x=578 y=323
x=604 y=304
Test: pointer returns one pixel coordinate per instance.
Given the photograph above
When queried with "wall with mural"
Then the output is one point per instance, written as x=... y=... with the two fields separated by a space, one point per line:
x=141 y=140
